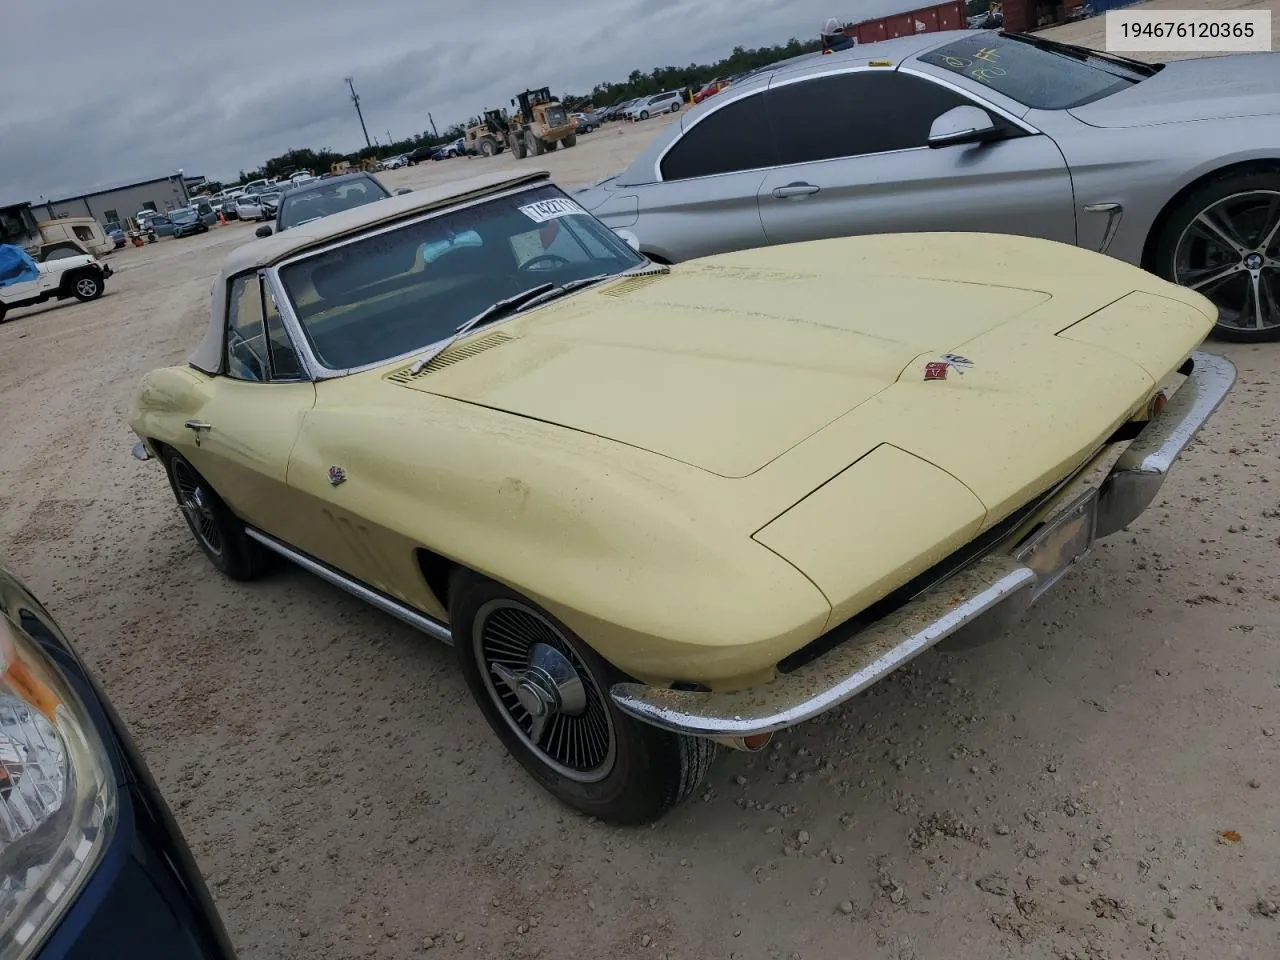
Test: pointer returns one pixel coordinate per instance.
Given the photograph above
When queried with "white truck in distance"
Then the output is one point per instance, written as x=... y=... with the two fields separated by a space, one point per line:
x=80 y=276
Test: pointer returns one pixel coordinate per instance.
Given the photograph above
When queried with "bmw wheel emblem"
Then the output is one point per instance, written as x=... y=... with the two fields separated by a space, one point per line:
x=1253 y=261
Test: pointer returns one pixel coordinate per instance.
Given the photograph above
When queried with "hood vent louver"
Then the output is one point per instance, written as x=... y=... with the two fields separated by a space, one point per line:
x=631 y=284
x=461 y=351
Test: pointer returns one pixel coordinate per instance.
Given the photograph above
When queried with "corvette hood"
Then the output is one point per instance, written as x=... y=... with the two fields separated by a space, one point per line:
x=1202 y=88
x=727 y=363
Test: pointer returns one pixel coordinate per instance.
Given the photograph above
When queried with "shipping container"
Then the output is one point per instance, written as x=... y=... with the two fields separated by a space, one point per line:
x=942 y=16
x=927 y=19
x=1025 y=16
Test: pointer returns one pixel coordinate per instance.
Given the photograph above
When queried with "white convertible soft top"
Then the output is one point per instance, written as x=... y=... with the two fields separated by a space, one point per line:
x=271 y=250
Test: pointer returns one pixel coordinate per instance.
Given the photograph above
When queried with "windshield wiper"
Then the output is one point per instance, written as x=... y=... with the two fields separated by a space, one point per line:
x=561 y=289
x=1083 y=54
x=492 y=312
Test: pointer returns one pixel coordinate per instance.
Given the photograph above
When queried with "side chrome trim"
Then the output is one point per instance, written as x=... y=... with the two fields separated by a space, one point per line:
x=292 y=326
x=405 y=614
x=1114 y=212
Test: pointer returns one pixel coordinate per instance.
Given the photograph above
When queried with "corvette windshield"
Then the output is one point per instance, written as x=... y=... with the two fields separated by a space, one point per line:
x=1041 y=75
x=393 y=293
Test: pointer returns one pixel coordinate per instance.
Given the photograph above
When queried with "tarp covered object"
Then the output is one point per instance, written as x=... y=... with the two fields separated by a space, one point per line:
x=16 y=265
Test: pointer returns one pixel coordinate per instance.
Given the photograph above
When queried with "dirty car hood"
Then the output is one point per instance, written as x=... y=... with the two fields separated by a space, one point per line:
x=728 y=362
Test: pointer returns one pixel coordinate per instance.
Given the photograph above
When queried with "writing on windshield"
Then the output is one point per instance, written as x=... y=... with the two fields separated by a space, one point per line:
x=1035 y=76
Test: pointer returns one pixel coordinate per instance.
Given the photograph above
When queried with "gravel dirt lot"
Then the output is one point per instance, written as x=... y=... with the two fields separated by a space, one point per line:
x=1100 y=784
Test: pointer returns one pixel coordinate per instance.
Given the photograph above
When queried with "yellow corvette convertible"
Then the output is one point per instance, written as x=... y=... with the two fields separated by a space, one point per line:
x=656 y=509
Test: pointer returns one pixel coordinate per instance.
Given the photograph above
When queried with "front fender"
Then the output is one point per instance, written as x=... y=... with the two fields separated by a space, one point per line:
x=626 y=548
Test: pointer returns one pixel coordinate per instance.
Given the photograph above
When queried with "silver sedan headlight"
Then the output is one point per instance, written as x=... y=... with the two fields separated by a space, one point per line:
x=57 y=794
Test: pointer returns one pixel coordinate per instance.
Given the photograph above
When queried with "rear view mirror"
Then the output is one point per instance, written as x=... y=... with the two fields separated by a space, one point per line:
x=965 y=124
x=263 y=231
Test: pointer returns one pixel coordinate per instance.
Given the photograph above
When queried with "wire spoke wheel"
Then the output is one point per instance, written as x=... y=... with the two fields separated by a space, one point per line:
x=543 y=690
x=1230 y=252
x=197 y=506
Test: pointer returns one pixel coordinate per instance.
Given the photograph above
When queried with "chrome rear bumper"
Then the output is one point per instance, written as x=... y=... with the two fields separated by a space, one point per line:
x=989 y=594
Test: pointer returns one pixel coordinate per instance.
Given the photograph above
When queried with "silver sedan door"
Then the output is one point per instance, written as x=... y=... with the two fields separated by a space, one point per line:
x=854 y=159
x=703 y=198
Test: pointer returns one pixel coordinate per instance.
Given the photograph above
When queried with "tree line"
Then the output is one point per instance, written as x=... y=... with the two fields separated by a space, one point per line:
x=638 y=84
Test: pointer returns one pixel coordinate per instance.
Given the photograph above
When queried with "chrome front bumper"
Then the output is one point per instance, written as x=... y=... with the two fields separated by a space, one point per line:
x=988 y=595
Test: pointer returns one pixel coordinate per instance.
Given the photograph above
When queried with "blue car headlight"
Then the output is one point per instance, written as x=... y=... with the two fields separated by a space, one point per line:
x=57 y=794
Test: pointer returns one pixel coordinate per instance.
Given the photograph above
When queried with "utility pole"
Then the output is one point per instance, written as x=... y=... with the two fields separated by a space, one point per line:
x=355 y=98
x=434 y=132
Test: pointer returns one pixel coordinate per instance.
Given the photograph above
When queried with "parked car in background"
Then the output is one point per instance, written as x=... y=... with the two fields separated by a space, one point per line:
x=669 y=102
x=325 y=198
x=395 y=163
x=618 y=110
x=257 y=186
x=82 y=233
x=227 y=206
x=25 y=282
x=585 y=122
x=118 y=237
x=710 y=90
x=158 y=224
x=203 y=206
x=419 y=153
x=411 y=431
x=93 y=863
x=249 y=207
x=1174 y=167
x=270 y=202
x=186 y=222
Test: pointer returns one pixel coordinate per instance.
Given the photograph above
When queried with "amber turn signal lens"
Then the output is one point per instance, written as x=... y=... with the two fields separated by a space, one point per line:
x=1156 y=405
x=756 y=741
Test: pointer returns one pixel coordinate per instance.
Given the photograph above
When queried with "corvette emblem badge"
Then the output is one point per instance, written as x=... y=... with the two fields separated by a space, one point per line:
x=935 y=371
x=337 y=475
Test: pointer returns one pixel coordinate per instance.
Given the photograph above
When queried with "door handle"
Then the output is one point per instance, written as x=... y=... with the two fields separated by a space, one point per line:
x=795 y=191
x=198 y=425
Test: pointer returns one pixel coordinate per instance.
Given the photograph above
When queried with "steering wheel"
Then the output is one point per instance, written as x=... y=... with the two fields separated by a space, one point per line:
x=553 y=260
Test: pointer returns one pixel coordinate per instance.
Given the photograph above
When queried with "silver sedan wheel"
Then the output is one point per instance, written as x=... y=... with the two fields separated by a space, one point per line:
x=1230 y=252
x=544 y=690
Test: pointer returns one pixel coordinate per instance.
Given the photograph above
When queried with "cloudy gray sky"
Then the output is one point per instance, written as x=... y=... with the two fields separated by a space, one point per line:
x=113 y=92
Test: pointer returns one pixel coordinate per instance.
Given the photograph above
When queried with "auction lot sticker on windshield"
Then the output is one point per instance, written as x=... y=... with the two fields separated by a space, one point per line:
x=553 y=209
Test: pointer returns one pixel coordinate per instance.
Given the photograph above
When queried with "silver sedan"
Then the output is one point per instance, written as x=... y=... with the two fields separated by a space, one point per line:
x=1175 y=166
